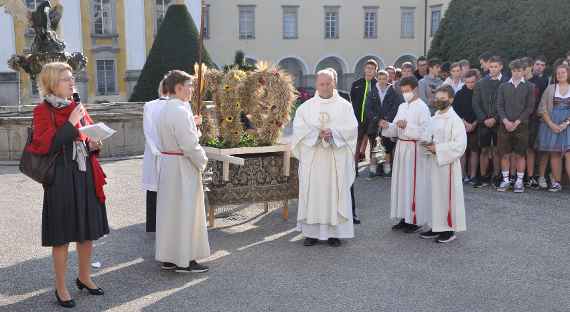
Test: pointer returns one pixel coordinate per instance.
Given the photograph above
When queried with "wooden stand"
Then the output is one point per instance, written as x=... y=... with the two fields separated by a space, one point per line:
x=264 y=174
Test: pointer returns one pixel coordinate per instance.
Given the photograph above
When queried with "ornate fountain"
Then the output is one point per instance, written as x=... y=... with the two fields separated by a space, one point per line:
x=47 y=46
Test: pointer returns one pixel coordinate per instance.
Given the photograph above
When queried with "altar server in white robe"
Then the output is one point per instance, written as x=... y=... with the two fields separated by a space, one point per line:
x=151 y=156
x=447 y=131
x=181 y=231
x=410 y=192
x=324 y=141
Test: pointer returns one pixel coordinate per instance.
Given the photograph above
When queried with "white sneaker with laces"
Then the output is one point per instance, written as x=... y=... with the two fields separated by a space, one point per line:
x=542 y=183
x=519 y=186
x=556 y=187
x=504 y=186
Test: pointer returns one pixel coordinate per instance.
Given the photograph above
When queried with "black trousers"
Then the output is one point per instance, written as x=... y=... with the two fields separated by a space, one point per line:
x=352 y=193
x=353 y=201
x=151 y=211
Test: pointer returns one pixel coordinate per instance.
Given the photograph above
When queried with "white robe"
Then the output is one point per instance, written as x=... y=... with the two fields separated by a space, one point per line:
x=151 y=153
x=181 y=230
x=326 y=171
x=448 y=205
x=410 y=190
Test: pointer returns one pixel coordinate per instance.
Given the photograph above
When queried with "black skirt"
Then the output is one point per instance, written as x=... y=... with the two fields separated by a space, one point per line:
x=71 y=210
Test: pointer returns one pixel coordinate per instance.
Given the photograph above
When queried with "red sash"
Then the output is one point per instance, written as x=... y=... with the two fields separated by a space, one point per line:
x=414 y=221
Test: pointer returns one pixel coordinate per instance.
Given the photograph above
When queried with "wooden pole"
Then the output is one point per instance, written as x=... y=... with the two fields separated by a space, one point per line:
x=200 y=58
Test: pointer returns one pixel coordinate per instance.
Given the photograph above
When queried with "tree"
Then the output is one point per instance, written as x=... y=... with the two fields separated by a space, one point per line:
x=240 y=63
x=509 y=28
x=175 y=47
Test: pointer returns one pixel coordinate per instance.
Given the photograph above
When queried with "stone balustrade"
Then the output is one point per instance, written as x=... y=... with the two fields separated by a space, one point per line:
x=126 y=118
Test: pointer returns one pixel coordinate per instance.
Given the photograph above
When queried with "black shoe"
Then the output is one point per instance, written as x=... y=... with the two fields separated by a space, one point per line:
x=533 y=183
x=168 y=266
x=446 y=237
x=355 y=220
x=429 y=235
x=399 y=226
x=334 y=242
x=194 y=267
x=482 y=182
x=497 y=181
x=94 y=291
x=474 y=181
x=310 y=241
x=66 y=304
x=412 y=228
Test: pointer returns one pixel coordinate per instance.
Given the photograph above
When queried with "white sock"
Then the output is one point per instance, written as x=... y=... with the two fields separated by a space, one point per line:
x=520 y=176
x=387 y=168
x=505 y=176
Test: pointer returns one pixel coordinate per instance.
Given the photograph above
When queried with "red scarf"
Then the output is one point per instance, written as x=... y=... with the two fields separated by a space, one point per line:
x=44 y=132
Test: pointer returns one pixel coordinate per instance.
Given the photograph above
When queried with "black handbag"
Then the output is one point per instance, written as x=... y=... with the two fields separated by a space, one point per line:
x=40 y=168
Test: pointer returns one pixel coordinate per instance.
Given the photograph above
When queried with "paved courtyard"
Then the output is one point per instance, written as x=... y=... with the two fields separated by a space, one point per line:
x=515 y=256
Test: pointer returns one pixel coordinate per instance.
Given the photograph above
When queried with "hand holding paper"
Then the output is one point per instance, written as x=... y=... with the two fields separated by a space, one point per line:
x=97 y=132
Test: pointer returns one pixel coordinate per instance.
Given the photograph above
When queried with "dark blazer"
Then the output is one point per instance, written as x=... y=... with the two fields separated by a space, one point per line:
x=389 y=107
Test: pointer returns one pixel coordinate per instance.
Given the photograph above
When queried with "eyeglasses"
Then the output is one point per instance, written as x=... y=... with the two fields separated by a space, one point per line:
x=68 y=79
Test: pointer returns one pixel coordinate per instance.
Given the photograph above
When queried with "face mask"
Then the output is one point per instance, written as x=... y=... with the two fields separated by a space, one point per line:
x=441 y=105
x=408 y=96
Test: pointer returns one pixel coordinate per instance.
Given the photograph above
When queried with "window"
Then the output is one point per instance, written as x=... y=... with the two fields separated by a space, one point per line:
x=290 y=22
x=33 y=4
x=435 y=19
x=331 y=22
x=102 y=17
x=207 y=22
x=106 y=77
x=161 y=8
x=247 y=22
x=408 y=16
x=370 y=22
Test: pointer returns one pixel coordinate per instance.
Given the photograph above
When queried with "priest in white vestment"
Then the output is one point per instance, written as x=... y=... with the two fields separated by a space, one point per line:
x=410 y=190
x=447 y=131
x=181 y=230
x=151 y=156
x=324 y=140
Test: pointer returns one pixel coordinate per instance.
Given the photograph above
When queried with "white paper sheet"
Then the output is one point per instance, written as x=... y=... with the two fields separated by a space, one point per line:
x=97 y=132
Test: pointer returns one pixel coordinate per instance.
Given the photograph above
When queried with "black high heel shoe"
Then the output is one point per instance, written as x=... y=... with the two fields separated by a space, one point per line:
x=66 y=304
x=94 y=291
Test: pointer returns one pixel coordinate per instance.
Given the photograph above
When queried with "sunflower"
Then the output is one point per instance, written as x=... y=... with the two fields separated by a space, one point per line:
x=229 y=119
x=238 y=105
x=226 y=87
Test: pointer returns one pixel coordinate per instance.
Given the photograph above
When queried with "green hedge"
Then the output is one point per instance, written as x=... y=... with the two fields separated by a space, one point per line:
x=175 y=47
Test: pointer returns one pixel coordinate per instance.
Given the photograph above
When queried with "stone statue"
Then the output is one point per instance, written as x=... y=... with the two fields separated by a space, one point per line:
x=46 y=47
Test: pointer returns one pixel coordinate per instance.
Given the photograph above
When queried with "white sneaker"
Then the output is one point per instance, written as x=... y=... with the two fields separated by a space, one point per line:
x=556 y=187
x=519 y=186
x=504 y=186
x=542 y=183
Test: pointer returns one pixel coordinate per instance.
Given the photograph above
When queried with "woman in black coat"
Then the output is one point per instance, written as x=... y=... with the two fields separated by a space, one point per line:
x=74 y=204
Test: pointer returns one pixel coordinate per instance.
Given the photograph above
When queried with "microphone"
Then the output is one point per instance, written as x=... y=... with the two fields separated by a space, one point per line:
x=77 y=100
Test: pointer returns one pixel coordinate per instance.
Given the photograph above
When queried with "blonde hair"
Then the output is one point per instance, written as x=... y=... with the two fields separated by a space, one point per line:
x=49 y=77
